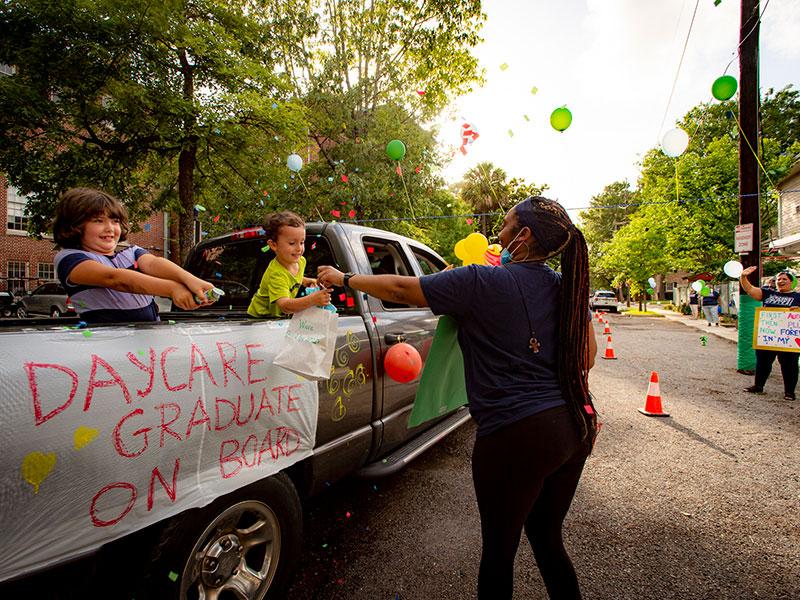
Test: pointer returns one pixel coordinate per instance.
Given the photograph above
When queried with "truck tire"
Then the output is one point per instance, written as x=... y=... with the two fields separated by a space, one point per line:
x=21 y=312
x=242 y=545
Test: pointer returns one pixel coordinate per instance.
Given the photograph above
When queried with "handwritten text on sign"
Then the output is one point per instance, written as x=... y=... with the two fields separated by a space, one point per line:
x=777 y=329
x=103 y=435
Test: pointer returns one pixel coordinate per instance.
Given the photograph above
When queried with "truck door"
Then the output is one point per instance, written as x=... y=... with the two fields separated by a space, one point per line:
x=396 y=323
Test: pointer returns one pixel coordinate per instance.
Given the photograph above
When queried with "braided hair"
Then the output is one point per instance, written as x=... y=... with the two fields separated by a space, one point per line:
x=554 y=234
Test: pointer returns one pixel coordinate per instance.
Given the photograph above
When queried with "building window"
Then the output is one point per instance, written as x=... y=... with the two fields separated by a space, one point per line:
x=6 y=69
x=17 y=273
x=16 y=219
x=797 y=208
x=46 y=272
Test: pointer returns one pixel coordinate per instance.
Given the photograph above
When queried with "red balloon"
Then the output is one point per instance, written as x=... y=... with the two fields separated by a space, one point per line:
x=402 y=362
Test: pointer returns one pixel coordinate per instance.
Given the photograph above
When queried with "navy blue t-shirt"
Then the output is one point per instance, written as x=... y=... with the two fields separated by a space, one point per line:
x=777 y=299
x=505 y=380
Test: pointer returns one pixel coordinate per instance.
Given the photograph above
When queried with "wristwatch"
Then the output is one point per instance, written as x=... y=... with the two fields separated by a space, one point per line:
x=346 y=279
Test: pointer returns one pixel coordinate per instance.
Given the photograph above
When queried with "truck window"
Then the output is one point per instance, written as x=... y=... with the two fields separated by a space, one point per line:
x=428 y=263
x=386 y=258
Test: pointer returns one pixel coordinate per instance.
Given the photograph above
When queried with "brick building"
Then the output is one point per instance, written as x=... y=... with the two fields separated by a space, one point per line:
x=26 y=262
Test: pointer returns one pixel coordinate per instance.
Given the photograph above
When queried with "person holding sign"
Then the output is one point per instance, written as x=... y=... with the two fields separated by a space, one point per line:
x=783 y=297
x=528 y=344
x=107 y=286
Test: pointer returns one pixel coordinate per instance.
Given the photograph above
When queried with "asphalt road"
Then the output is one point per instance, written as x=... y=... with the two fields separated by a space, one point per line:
x=702 y=504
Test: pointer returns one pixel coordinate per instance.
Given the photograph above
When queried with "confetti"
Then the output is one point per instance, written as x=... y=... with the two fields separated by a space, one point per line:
x=140 y=352
x=274 y=105
x=374 y=319
x=200 y=207
x=265 y=248
x=324 y=545
x=171 y=322
x=347 y=514
x=504 y=66
x=173 y=576
x=336 y=213
x=266 y=193
x=421 y=92
x=418 y=169
x=87 y=333
x=469 y=221
x=351 y=214
x=342 y=297
x=330 y=179
x=344 y=178
x=534 y=90
x=351 y=302
x=526 y=117
x=398 y=170
x=216 y=219
x=510 y=133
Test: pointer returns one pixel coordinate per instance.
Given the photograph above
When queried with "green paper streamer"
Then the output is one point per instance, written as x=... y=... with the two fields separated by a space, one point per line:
x=746 y=359
x=442 y=387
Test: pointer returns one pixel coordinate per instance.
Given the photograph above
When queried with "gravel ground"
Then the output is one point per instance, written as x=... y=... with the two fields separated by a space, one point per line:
x=703 y=504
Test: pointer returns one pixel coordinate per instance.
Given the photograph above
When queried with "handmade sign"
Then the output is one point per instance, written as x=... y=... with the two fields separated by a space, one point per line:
x=105 y=434
x=777 y=329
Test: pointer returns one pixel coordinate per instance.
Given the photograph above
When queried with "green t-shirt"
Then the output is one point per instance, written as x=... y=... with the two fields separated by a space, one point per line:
x=276 y=283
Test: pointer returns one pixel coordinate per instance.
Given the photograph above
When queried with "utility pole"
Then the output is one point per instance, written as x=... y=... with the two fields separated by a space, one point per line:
x=749 y=101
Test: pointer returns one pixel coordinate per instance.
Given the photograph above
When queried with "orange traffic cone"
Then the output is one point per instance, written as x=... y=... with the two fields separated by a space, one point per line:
x=609 y=350
x=652 y=405
x=607 y=330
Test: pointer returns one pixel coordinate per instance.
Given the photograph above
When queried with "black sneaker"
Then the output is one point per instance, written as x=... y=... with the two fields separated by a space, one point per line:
x=754 y=389
x=788 y=397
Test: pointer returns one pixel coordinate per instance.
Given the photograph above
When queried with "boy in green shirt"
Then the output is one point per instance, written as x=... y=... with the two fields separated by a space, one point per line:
x=276 y=296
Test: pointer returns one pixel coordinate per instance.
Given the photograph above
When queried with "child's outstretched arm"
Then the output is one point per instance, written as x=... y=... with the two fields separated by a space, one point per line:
x=93 y=273
x=292 y=305
x=166 y=269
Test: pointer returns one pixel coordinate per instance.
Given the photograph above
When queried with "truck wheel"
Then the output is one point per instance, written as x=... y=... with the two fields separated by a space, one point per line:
x=55 y=313
x=243 y=545
x=6 y=312
x=21 y=312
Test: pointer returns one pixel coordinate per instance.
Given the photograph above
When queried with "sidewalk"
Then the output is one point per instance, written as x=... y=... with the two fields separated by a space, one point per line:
x=729 y=333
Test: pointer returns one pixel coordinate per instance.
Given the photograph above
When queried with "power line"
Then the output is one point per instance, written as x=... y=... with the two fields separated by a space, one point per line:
x=680 y=63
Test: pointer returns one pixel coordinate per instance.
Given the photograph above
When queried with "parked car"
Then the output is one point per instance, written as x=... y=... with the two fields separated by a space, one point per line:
x=605 y=300
x=8 y=304
x=48 y=299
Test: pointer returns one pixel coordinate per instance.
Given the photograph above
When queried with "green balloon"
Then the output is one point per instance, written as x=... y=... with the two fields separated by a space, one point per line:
x=705 y=291
x=724 y=87
x=560 y=118
x=396 y=150
x=650 y=290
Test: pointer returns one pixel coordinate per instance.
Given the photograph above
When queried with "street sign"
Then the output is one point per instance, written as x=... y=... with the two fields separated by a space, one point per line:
x=743 y=238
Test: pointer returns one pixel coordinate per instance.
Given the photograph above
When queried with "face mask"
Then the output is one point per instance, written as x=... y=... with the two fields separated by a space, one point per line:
x=506 y=256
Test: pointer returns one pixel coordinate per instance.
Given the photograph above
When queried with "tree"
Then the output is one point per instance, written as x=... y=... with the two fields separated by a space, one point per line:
x=485 y=189
x=153 y=102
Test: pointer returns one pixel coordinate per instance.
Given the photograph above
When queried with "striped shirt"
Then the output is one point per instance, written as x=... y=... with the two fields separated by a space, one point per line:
x=100 y=304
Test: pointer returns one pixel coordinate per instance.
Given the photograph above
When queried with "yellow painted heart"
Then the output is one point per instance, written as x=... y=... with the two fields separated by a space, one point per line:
x=36 y=466
x=84 y=436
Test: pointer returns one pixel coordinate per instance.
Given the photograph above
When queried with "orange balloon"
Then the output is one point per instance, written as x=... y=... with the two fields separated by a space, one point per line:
x=402 y=362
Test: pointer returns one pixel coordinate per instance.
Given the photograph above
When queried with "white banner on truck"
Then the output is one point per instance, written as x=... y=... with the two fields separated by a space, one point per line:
x=106 y=431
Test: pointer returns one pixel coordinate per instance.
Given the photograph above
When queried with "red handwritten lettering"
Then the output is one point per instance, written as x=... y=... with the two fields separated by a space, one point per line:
x=290 y=398
x=30 y=369
x=225 y=458
x=217 y=426
x=226 y=362
x=171 y=492
x=119 y=446
x=239 y=409
x=164 y=425
x=265 y=403
x=95 y=383
x=250 y=362
x=255 y=452
x=164 y=354
x=202 y=365
x=122 y=485
x=194 y=422
x=149 y=369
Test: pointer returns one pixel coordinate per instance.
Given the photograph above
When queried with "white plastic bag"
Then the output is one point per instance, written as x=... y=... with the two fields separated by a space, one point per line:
x=309 y=343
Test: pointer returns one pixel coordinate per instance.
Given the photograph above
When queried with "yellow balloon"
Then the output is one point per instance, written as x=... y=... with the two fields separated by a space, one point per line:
x=460 y=250
x=467 y=261
x=478 y=259
x=476 y=243
x=495 y=249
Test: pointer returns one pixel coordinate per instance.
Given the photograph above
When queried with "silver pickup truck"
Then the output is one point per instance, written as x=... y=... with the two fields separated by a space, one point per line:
x=245 y=542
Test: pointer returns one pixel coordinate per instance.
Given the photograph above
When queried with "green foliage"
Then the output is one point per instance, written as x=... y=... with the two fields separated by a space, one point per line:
x=688 y=207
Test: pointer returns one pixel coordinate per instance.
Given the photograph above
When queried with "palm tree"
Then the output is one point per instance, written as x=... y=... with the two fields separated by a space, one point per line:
x=485 y=189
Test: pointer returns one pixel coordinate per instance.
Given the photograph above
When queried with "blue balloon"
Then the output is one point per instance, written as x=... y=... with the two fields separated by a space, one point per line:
x=294 y=162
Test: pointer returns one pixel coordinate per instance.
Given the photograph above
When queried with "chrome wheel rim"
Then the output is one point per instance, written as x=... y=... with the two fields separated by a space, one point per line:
x=236 y=556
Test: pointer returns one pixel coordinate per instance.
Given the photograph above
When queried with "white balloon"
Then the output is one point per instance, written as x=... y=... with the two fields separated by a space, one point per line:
x=675 y=142
x=697 y=285
x=652 y=282
x=733 y=269
x=294 y=162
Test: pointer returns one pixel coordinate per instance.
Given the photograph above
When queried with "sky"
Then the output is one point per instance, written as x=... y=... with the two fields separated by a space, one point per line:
x=612 y=63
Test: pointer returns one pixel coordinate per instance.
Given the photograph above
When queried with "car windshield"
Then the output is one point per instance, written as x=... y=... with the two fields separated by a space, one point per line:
x=604 y=295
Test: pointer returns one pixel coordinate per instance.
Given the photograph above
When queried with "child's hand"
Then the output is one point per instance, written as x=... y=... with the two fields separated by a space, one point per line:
x=199 y=288
x=321 y=297
x=183 y=297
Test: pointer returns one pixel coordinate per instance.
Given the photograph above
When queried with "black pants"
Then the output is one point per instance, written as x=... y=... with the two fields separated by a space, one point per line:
x=788 y=362
x=525 y=475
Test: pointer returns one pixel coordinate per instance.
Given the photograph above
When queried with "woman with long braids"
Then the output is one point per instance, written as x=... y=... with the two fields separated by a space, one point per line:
x=528 y=345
